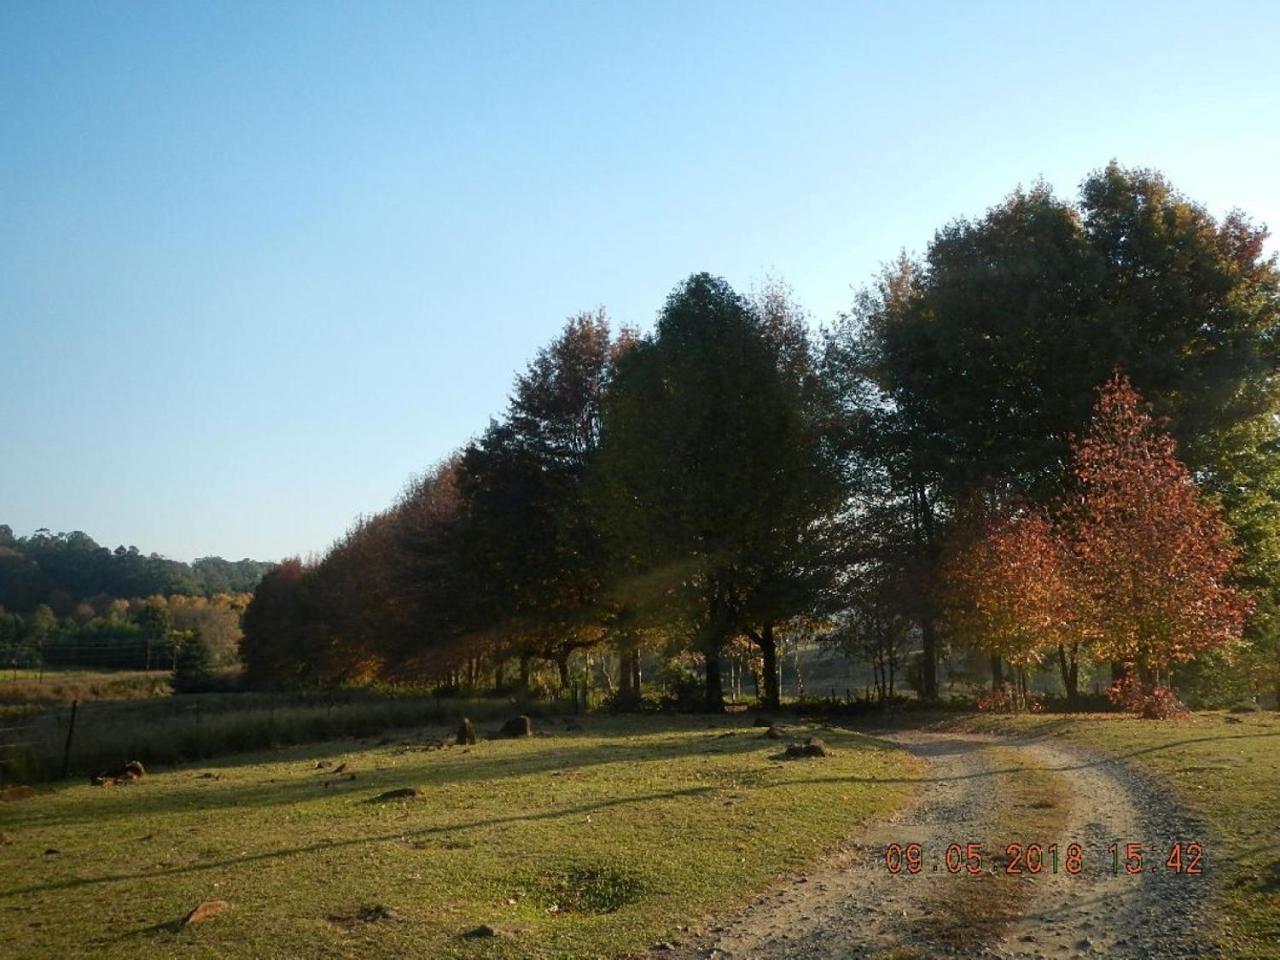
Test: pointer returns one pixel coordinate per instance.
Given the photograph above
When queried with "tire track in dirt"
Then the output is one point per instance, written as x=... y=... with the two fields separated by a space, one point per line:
x=850 y=906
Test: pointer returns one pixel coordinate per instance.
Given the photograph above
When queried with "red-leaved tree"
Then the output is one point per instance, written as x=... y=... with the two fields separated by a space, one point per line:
x=1135 y=568
x=1154 y=560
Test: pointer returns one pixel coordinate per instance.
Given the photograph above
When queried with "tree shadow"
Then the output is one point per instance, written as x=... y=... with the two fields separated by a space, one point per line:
x=398 y=835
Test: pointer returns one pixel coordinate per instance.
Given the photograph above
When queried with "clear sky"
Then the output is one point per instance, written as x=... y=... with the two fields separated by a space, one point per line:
x=261 y=261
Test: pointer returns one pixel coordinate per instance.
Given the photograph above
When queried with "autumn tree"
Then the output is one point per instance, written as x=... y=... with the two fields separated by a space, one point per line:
x=978 y=362
x=1154 y=558
x=1010 y=588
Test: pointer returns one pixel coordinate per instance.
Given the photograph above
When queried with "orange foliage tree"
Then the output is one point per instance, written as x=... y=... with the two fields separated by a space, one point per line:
x=1135 y=568
x=1008 y=589
x=1155 y=562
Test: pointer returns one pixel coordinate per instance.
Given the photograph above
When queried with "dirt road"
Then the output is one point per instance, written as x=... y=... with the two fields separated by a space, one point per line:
x=852 y=906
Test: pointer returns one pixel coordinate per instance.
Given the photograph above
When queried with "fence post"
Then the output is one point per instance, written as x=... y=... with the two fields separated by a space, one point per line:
x=71 y=729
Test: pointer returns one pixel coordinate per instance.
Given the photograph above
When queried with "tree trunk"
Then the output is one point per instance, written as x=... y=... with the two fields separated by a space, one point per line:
x=525 y=671
x=769 y=652
x=562 y=665
x=1070 y=668
x=997 y=673
x=626 y=671
x=929 y=659
x=715 y=691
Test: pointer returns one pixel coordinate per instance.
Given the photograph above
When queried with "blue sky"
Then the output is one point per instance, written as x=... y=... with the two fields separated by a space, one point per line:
x=259 y=262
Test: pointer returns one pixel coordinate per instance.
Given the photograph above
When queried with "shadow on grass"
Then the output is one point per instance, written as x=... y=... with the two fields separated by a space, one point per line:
x=398 y=835
x=563 y=752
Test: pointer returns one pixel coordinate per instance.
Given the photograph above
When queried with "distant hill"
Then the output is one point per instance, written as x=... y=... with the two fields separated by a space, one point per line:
x=61 y=569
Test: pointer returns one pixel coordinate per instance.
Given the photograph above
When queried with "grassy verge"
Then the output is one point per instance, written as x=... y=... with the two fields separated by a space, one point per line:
x=1227 y=768
x=590 y=842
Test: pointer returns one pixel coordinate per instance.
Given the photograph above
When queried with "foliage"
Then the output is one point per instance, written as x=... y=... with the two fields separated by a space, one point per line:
x=713 y=472
x=1154 y=557
x=1149 y=702
x=1135 y=566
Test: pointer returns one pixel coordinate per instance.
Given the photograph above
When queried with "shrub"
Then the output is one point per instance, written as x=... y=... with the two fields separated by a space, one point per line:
x=1150 y=703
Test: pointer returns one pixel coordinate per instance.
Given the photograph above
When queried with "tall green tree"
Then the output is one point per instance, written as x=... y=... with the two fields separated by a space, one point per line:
x=712 y=470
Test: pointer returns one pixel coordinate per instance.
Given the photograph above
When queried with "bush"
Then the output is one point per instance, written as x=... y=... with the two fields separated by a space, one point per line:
x=1154 y=703
x=1004 y=699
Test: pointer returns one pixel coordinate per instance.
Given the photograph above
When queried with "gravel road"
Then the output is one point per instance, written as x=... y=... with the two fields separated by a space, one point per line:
x=851 y=906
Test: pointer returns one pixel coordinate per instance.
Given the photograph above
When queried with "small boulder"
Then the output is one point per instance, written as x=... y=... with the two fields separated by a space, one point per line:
x=205 y=911
x=520 y=726
x=466 y=734
x=774 y=732
x=813 y=747
x=133 y=770
x=486 y=931
x=403 y=793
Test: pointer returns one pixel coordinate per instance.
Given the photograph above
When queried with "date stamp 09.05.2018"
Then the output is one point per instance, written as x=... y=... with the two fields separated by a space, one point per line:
x=1018 y=859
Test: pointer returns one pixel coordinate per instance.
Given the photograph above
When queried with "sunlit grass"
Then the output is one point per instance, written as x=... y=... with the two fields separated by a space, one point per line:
x=583 y=843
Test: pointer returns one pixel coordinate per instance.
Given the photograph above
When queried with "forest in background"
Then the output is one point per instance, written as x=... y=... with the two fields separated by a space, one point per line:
x=65 y=601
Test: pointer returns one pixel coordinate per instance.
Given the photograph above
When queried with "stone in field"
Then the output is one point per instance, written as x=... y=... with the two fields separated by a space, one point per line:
x=466 y=734
x=520 y=726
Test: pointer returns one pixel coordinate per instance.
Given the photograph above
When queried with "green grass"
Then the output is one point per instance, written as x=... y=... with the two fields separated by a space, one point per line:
x=590 y=842
x=1227 y=768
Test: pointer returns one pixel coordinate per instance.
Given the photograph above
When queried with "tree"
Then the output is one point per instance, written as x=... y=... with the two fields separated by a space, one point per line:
x=1012 y=590
x=981 y=360
x=193 y=668
x=155 y=622
x=711 y=471
x=273 y=648
x=1154 y=557
x=532 y=550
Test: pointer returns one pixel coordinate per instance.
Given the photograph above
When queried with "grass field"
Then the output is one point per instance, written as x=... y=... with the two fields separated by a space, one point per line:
x=590 y=842
x=47 y=687
x=1227 y=767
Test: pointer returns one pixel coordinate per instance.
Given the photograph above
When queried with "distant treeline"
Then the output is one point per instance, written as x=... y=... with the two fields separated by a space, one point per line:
x=136 y=634
x=732 y=481
x=61 y=570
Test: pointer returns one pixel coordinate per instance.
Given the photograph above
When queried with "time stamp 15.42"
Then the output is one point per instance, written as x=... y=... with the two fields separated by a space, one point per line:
x=1029 y=859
